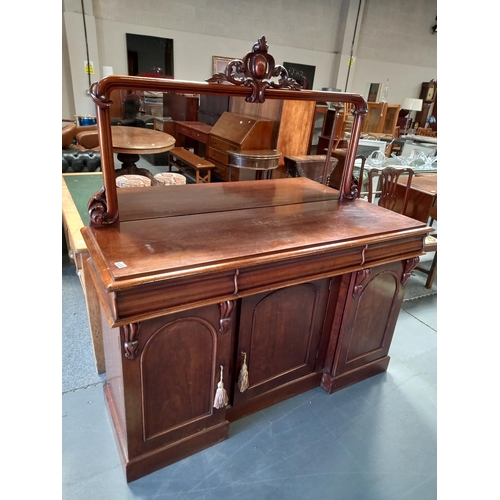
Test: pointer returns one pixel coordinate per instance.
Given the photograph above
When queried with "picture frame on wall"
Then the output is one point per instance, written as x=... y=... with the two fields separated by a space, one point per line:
x=219 y=63
x=373 y=91
x=150 y=55
x=301 y=72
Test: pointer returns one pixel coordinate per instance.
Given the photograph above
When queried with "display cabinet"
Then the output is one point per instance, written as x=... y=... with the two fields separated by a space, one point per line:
x=381 y=118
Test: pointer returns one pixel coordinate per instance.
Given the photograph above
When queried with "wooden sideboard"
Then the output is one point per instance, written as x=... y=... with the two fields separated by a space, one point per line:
x=227 y=280
x=218 y=300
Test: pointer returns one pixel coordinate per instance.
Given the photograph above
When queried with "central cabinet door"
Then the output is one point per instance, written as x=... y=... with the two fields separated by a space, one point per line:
x=279 y=336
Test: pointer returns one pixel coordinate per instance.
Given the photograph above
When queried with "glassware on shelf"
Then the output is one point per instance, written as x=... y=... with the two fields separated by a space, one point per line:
x=376 y=159
x=428 y=161
x=406 y=160
x=385 y=92
x=417 y=159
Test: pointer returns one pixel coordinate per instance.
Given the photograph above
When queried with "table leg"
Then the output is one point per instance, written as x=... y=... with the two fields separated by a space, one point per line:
x=129 y=167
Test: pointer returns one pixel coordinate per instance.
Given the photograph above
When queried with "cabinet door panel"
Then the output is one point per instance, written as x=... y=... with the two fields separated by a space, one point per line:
x=172 y=381
x=177 y=382
x=372 y=309
x=280 y=333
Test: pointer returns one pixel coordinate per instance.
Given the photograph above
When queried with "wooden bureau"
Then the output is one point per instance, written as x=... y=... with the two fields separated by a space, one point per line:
x=236 y=132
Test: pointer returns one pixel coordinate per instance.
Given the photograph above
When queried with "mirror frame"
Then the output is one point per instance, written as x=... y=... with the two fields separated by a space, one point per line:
x=251 y=78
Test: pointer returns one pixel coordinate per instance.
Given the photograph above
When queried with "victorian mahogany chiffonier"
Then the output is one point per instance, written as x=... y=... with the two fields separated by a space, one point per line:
x=218 y=300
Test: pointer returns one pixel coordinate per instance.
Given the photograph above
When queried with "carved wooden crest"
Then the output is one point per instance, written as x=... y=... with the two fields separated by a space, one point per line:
x=255 y=71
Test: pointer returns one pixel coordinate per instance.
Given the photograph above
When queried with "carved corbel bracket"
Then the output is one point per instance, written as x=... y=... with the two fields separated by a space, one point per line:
x=130 y=333
x=226 y=308
x=409 y=266
x=98 y=209
x=360 y=282
x=255 y=71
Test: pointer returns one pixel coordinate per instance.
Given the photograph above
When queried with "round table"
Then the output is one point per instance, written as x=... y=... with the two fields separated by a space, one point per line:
x=130 y=142
x=264 y=161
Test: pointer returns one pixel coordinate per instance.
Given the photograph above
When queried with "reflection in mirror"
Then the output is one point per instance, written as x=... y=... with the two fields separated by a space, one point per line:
x=189 y=127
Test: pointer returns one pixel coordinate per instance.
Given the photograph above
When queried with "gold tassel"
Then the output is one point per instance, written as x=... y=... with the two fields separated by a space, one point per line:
x=243 y=376
x=221 y=398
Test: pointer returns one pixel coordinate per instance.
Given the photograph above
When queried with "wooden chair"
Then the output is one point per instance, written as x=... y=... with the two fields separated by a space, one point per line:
x=383 y=186
x=430 y=246
x=343 y=124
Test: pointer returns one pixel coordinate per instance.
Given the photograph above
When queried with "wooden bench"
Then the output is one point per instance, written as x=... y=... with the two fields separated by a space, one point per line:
x=184 y=159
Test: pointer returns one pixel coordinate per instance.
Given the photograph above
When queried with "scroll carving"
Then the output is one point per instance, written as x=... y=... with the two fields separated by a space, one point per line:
x=98 y=209
x=255 y=71
x=361 y=281
x=409 y=266
x=353 y=191
x=131 y=344
x=99 y=100
x=226 y=308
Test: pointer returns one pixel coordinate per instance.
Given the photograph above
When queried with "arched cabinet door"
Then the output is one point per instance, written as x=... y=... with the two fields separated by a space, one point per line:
x=372 y=304
x=171 y=367
x=279 y=337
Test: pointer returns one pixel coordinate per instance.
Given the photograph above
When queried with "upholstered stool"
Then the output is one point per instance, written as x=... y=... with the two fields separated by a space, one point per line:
x=170 y=179
x=131 y=180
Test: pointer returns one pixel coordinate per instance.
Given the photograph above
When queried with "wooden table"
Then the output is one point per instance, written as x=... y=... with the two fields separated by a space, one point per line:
x=74 y=217
x=197 y=131
x=131 y=142
x=280 y=273
x=422 y=199
x=262 y=161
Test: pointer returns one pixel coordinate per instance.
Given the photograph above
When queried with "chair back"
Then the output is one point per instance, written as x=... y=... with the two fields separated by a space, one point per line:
x=360 y=159
x=387 y=184
x=427 y=132
x=131 y=105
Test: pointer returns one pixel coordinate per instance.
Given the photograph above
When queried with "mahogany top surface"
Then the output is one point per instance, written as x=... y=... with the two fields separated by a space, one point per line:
x=425 y=182
x=138 y=140
x=248 y=223
x=190 y=199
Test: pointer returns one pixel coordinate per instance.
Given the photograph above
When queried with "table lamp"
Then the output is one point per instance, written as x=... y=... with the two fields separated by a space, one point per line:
x=411 y=104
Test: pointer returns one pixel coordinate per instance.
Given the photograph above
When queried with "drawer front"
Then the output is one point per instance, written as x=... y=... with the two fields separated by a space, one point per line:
x=222 y=145
x=218 y=156
x=252 y=162
x=222 y=171
x=195 y=134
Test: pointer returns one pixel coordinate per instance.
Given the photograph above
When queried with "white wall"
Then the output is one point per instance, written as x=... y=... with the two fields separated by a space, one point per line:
x=396 y=43
x=393 y=39
x=199 y=49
